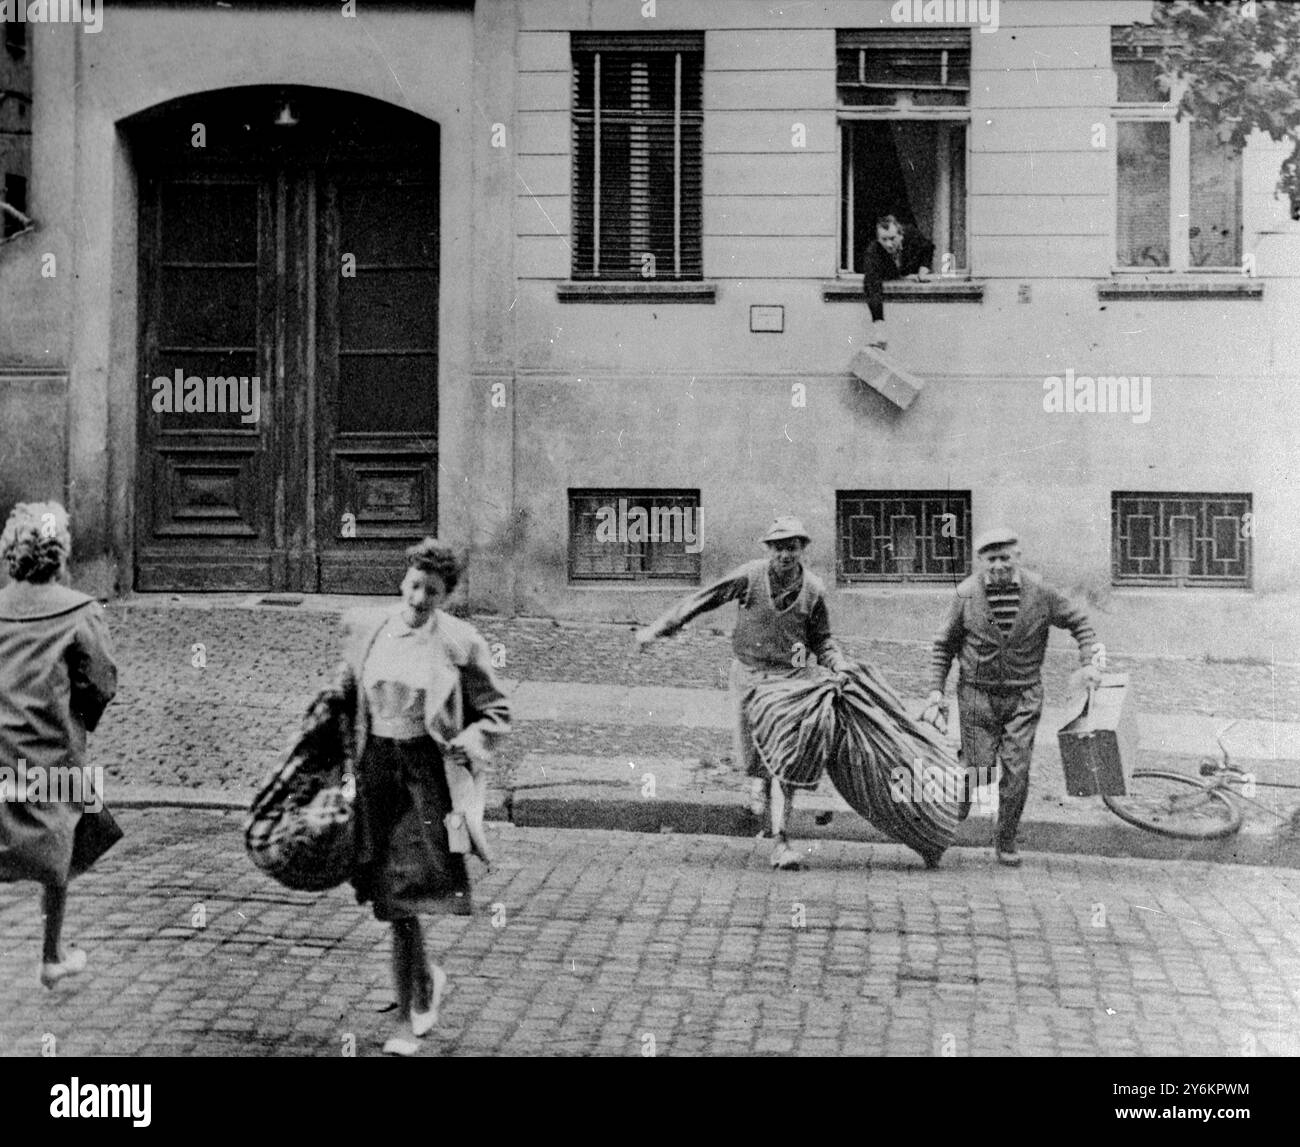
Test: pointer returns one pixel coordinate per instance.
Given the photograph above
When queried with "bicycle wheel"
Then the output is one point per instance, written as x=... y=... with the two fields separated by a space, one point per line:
x=1161 y=802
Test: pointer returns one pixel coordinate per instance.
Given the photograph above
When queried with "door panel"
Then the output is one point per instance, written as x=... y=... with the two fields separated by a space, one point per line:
x=204 y=501
x=243 y=276
x=377 y=375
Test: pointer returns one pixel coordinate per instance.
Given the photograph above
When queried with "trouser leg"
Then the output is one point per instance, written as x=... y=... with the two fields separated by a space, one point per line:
x=743 y=732
x=981 y=732
x=1015 y=750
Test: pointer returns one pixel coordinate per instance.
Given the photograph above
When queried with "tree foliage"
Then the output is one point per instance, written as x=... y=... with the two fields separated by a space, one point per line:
x=1239 y=62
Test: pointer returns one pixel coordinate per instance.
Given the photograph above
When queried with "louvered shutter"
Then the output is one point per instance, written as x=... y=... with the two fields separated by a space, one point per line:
x=637 y=146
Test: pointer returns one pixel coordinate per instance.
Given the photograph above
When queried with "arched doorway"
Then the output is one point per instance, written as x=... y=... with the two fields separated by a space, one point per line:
x=288 y=308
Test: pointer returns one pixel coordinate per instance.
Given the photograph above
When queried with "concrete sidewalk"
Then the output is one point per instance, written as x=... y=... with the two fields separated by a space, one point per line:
x=1181 y=734
x=656 y=791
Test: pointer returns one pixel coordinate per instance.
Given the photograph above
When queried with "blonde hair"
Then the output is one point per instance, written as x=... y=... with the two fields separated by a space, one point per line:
x=36 y=542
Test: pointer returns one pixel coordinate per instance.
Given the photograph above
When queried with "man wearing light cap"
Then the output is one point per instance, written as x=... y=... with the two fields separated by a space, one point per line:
x=997 y=629
x=782 y=628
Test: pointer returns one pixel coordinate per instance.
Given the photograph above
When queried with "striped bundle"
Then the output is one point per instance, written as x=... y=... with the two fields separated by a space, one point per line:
x=897 y=772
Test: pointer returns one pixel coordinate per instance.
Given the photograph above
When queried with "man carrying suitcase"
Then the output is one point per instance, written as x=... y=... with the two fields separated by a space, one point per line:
x=997 y=628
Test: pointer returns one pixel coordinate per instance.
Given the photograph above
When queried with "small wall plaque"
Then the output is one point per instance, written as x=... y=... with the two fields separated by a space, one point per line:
x=767 y=319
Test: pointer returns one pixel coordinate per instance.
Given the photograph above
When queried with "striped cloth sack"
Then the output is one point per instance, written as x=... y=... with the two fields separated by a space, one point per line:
x=899 y=773
x=794 y=725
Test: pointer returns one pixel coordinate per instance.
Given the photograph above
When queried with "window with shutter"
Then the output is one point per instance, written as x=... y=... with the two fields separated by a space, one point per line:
x=637 y=147
x=903 y=99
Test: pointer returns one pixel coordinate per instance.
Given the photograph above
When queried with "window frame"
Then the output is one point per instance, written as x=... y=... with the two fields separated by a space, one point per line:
x=610 y=495
x=847 y=115
x=844 y=579
x=1180 y=171
x=1121 y=580
x=593 y=286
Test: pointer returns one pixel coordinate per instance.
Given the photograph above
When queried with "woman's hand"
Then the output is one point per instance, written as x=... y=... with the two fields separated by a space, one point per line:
x=457 y=755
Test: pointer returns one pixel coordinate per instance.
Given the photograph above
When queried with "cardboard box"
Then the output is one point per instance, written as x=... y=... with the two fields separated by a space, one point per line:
x=1099 y=742
x=885 y=376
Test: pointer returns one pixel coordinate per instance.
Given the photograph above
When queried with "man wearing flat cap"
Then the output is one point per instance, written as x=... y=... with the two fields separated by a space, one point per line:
x=782 y=627
x=997 y=629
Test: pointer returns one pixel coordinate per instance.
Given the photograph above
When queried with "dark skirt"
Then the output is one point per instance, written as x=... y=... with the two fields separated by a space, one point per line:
x=403 y=865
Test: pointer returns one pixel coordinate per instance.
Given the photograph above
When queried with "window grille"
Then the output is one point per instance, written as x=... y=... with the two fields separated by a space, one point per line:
x=1181 y=539
x=635 y=535
x=912 y=535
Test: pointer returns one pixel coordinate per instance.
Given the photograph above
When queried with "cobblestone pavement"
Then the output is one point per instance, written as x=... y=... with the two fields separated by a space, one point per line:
x=219 y=725
x=617 y=943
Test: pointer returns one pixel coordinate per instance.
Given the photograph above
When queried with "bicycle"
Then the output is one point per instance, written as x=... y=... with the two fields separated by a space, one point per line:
x=1159 y=802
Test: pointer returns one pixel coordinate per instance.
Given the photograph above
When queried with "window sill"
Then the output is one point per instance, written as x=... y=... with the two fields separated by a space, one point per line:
x=590 y=291
x=936 y=290
x=1181 y=288
x=1162 y=588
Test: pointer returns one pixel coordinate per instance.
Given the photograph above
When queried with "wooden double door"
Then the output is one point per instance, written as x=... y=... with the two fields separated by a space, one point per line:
x=289 y=351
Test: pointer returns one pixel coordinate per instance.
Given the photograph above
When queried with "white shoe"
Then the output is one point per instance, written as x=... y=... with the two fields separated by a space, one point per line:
x=784 y=857
x=70 y=965
x=422 y=1023
x=403 y=1045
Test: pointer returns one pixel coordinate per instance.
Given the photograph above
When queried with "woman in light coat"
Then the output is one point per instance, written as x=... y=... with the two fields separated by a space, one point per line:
x=56 y=678
x=429 y=713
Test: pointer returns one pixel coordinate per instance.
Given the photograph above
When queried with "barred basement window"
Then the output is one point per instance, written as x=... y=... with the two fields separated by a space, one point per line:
x=635 y=535
x=1181 y=539
x=638 y=126
x=1178 y=195
x=903 y=99
x=902 y=535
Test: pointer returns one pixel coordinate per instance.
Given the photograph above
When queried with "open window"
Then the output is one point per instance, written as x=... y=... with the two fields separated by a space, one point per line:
x=903 y=105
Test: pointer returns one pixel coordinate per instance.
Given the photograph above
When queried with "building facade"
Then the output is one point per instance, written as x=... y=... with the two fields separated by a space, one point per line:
x=578 y=285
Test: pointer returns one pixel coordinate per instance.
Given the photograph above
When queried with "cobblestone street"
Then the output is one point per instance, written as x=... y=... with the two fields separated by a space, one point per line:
x=622 y=944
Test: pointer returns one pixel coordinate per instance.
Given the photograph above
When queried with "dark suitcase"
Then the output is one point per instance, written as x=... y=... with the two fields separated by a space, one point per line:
x=1099 y=741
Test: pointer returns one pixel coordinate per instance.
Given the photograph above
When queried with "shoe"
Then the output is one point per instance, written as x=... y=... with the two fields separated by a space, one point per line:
x=403 y=1045
x=422 y=1023
x=70 y=965
x=1007 y=854
x=784 y=857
